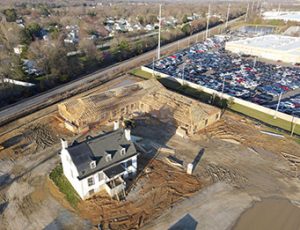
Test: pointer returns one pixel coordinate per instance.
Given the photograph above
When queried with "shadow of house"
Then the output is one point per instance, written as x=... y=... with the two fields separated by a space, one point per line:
x=5 y=179
x=3 y=206
x=185 y=223
x=12 y=141
x=198 y=158
x=156 y=128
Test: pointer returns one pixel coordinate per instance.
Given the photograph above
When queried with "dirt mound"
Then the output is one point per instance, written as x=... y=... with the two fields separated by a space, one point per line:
x=157 y=190
x=248 y=134
x=41 y=135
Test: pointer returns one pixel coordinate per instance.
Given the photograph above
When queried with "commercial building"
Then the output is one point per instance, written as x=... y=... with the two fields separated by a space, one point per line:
x=282 y=15
x=272 y=47
x=146 y=97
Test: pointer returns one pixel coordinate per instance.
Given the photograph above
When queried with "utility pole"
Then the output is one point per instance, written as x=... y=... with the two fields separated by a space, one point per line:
x=223 y=86
x=247 y=12
x=254 y=62
x=278 y=11
x=207 y=23
x=275 y=115
x=159 y=30
x=293 y=125
x=227 y=18
x=252 y=6
x=153 y=67
x=183 y=67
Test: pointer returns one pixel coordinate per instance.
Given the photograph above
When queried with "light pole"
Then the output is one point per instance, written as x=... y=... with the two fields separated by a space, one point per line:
x=246 y=16
x=279 y=99
x=159 y=30
x=293 y=125
x=183 y=67
x=153 y=67
x=207 y=23
x=227 y=18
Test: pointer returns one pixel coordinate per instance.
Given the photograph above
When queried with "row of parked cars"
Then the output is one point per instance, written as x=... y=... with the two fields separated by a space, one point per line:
x=209 y=65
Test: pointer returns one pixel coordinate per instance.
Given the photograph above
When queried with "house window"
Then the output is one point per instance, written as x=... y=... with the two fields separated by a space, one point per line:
x=91 y=192
x=91 y=181
x=100 y=176
x=108 y=158
x=93 y=165
x=123 y=151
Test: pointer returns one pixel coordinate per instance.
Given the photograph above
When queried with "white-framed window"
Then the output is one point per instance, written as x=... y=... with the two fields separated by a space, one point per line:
x=93 y=165
x=108 y=157
x=91 y=181
x=100 y=176
x=123 y=151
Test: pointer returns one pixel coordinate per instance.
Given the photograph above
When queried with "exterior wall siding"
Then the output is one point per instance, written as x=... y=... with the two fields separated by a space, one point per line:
x=81 y=186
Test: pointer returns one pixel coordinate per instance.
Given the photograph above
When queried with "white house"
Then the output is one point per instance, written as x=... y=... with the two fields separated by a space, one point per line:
x=100 y=163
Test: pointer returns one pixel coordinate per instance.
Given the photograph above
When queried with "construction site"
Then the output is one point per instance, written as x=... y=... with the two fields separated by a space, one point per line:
x=147 y=97
x=237 y=162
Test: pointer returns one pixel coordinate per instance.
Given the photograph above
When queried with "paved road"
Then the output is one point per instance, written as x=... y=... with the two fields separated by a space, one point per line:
x=34 y=103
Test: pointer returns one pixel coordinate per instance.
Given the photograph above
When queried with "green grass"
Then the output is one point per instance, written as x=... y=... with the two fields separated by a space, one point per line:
x=64 y=185
x=142 y=74
x=265 y=118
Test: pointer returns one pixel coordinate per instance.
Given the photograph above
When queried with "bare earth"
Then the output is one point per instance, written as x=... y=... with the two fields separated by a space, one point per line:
x=236 y=166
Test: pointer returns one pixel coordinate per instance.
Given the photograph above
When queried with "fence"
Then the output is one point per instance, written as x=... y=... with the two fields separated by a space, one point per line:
x=268 y=111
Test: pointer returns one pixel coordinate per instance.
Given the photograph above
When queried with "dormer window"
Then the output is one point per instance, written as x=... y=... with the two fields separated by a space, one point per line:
x=108 y=157
x=93 y=165
x=123 y=151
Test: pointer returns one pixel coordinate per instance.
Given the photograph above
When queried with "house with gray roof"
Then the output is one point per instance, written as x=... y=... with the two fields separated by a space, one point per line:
x=100 y=163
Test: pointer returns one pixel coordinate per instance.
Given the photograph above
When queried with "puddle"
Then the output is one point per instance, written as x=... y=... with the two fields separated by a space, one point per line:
x=275 y=214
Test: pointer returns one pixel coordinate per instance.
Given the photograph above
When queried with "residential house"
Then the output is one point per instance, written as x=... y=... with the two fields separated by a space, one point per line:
x=149 y=27
x=100 y=163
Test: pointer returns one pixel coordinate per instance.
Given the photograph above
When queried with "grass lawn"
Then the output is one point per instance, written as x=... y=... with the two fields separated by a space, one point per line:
x=140 y=73
x=265 y=118
x=57 y=176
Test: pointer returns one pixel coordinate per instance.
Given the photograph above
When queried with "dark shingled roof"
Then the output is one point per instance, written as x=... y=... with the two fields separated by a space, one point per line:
x=97 y=148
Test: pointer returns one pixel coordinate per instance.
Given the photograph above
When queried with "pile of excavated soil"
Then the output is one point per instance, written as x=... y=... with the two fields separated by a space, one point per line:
x=155 y=191
x=240 y=130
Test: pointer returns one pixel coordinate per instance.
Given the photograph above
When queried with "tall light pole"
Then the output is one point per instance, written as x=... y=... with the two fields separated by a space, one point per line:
x=223 y=86
x=247 y=12
x=293 y=125
x=159 y=30
x=207 y=23
x=153 y=67
x=227 y=18
x=183 y=67
x=277 y=107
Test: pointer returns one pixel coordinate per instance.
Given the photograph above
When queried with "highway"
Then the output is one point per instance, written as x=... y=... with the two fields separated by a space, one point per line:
x=32 y=104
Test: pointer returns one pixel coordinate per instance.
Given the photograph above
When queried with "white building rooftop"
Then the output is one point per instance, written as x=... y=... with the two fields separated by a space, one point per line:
x=275 y=42
x=282 y=15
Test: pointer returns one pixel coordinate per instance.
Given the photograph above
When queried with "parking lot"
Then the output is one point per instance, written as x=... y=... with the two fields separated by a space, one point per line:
x=209 y=65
